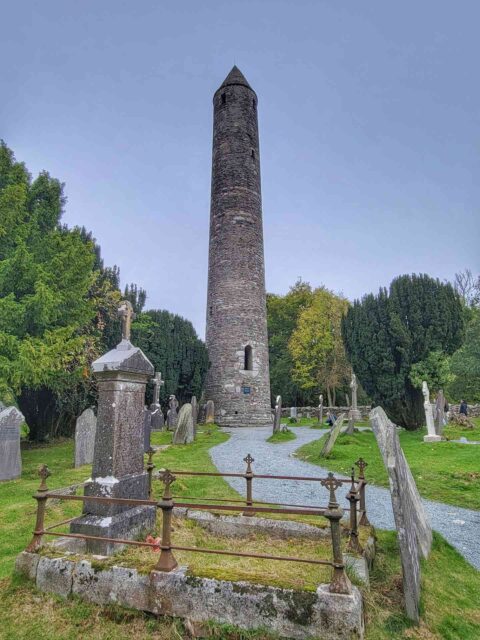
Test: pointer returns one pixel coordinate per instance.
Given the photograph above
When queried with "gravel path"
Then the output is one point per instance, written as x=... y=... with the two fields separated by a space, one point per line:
x=459 y=526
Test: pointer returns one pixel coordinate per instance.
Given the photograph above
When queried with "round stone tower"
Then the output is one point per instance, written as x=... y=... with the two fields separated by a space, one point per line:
x=238 y=380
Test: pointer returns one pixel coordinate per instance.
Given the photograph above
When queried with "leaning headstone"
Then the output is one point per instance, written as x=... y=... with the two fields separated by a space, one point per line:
x=351 y=423
x=414 y=531
x=85 y=429
x=332 y=436
x=172 y=415
x=277 y=419
x=293 y=412
x=194 y=404
x=355 y=413
x=184 y=433
x=158 y=422
x=439 y=413
x=118 y=460
x=431 y=436
x=147 y=428
x=320 y=409
x=10 y=459
x=210 y=412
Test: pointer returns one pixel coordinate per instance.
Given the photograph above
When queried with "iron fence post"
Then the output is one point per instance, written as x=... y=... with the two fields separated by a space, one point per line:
x=41 y=499
x=361 y=464
x=150 y=468
x=352 y=497
x=167 y=561
x=340 y=582
x=249 y=478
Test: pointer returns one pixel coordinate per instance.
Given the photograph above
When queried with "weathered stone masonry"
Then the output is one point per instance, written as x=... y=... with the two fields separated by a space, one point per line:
x=238 y=379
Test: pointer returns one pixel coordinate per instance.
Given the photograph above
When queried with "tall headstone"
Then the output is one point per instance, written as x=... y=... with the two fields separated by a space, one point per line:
x=85 y=429
x=414 y=531
x=278 y=415
x=320 y=409
x=118 y=462
x=210 y=412
x=293 y=412
x=184 y=432
x=194 y=404
x=431 y=436
x=158 y=422
x=147 y=428
x=439 y=413
x=332 y=436
x=10 y=458
x=355 y=413
x=238 y=379
x=172 y=415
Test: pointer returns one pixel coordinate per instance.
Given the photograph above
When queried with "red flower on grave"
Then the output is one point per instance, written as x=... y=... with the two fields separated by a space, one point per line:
x=155 y=541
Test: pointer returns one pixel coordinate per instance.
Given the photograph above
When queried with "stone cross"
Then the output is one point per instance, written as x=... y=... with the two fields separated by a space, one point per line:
x=332 y=484
x=354 y=409
x=320 y=409
x=439 y=413
x=278 y=415
x=157 y=383
x=125 y=312
x=431 y=436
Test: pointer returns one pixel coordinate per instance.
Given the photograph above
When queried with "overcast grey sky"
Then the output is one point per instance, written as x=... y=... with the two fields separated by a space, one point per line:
x=369 y=132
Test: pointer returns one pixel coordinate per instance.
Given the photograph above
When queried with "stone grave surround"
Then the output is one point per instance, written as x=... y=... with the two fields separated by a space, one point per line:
x=118 y=464
x=85 y=429
x=413 y=527
x=10 y=458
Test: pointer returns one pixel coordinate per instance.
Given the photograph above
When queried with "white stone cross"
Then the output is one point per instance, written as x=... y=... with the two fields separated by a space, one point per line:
x=157 y=383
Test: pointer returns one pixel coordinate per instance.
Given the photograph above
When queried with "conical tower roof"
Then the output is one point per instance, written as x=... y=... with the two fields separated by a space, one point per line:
x=235 y=77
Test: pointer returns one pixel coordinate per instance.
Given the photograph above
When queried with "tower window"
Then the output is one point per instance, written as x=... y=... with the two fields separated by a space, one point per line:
x=224 y=98
x=253 y=154
x=248 y=358
x=211 y=310
x=254 y=103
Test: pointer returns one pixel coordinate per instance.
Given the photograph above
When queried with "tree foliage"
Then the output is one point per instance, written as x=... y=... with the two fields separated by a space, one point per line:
x=171 y=344
x=316 y=345
x=465 y=364
x=388 y=334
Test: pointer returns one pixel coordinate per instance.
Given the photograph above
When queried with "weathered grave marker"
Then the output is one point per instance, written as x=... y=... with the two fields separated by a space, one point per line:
x=439 y=413
x=85 y=429
x=356 y=415
x=210 y=412
x=147 y=428
x=158 y=422
x=320 y=409
x=277 y=415
x=431 y=436
x=172 y=415
x=414 y=531
x=332 y=436
x=194 y=404
x=10 y=458
x=184 y=433
x=293 y=412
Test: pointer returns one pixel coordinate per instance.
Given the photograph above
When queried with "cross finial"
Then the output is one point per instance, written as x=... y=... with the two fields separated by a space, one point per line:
x=125 y=312
x=362 y=465
x=167 y=477
x=157 y=383
x=331 y=483
x=44 y=473
x=248 y=460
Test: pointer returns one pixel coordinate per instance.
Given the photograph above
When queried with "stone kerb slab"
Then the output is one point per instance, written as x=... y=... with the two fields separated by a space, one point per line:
x=300 y=615
x=332 y=436
x=10 y=458
x=85 y=429
x=414 y=531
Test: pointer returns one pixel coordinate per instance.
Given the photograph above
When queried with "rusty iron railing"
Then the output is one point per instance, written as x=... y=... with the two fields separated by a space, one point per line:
x=167 y=503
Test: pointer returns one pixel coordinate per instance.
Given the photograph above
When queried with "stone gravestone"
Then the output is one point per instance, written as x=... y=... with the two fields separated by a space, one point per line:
x=118 y=461
x=158 y=422
x=293 y=412
x=414 y=532
x=439 y=413
x=431 y=436
x=356 y=415
x=172 y=415
x=320 y=409
x=332 y=436
x=194 y=404
x=210 y=412
x=85 y=429
x=184 y=433
x=10 y=459
x=277 y=415
x=147 y=429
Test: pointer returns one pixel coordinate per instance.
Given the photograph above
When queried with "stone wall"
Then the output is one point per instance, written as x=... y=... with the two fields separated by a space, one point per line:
x=473 y=410
x=312 y=412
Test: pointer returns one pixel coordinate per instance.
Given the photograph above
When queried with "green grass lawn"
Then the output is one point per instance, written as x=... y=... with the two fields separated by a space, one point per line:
x=282 y=436
x=444 y=471
x=454 y=432
x=301 y=422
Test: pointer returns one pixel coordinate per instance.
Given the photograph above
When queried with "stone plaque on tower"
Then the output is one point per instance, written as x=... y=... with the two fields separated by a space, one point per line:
x=238 y=379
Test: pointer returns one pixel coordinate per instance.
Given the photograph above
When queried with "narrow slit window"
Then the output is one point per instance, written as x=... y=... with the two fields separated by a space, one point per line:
x=248 y=357
x=211 y=310
x=224 y=98
x=253 y=154
x=254 y=103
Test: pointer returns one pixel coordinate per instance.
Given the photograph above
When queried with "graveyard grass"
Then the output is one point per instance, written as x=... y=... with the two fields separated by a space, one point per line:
x=282 y=436
x=445 y=471
x=450 y=605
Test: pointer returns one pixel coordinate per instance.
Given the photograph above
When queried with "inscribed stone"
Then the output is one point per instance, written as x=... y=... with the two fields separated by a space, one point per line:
x=184 y=433
x=332 y=436
x=85 y=429
x=10 y=458
x=414 y=531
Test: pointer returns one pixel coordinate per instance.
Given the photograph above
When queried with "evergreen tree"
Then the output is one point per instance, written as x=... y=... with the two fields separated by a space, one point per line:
x=386 y=335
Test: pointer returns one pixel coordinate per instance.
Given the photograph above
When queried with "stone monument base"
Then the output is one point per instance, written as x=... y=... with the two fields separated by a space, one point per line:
x=128 y=525
x=432 y=438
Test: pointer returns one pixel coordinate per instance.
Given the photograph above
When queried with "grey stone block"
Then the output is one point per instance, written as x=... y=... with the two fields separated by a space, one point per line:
x=10 y=459
x=26 y=564
x=54 y=575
